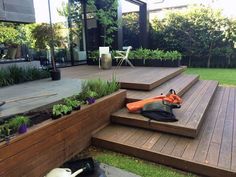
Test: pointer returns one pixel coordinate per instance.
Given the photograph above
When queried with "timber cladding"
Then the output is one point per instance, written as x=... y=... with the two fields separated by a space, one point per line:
x=51 y=143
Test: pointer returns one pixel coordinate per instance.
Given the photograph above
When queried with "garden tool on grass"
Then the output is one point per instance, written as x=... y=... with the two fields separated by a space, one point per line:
x=87 y=168
x=26 y=98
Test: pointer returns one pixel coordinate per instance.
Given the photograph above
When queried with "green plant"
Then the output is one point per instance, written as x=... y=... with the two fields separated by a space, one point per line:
x=94 y=55
x=42 y=35
x=91 y=94
x=5 y=130
x=14 y=75
x=60 y=110
x=8 y=35
x=97 y=88
x=57 y=110
x=200 y=33
x=71 y=102
x=17 y=121
x=106 y=14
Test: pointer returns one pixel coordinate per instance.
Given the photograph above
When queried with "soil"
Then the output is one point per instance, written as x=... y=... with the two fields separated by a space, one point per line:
x=37 y=117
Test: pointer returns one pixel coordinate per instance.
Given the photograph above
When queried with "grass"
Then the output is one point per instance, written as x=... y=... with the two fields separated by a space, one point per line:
x=226 y=77
x=135 y=165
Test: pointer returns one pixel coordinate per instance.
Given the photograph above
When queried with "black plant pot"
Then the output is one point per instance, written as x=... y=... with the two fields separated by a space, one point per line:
x=154 y=63
x=137 y=62
x=92 y=62
x=90 y=100
x=54 y=117
x=77 y=108
x=171 y=63
x=55 y=75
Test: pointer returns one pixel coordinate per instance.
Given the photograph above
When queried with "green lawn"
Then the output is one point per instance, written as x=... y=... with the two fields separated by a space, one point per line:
x=224 y=76
x=135 y=165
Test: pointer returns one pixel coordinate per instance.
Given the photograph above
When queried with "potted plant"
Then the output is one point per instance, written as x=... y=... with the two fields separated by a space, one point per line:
x=5 y=132
x=19 y=124
x=93 y=57
x=91 y=97
x=57 y=111
x=46 y=37
x=75 y=104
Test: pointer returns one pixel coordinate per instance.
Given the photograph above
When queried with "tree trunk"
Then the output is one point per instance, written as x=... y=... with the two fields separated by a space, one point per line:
x=209 y=56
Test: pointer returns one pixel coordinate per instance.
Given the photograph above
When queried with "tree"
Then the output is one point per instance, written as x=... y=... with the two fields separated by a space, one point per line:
x=42 y=36
x=131 y=30
x=199 y=32
x=106 y=14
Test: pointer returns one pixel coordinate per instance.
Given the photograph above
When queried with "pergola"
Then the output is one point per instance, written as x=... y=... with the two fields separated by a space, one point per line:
x=143 y=22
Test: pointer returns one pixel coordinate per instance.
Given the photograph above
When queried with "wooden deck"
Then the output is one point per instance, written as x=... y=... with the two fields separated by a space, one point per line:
x=211 y=153
x=138 y=78
x=180 y=84
x=190 y=116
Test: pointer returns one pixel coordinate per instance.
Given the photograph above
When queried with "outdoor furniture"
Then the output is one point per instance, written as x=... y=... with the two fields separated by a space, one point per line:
x=106 y=61
x=102 y=50
x=123 y=56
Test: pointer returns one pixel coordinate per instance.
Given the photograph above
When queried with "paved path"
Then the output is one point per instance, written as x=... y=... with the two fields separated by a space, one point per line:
x=63 y=88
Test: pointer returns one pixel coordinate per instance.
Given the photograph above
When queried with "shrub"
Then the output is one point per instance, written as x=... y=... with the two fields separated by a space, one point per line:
x=155 y=54
x=17 y=121
x=97 y=88
x=71 y=102
x=14 y=75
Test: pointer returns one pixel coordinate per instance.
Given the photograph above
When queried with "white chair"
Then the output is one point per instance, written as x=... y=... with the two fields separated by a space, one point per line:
x=123 y=56
x=102 y=50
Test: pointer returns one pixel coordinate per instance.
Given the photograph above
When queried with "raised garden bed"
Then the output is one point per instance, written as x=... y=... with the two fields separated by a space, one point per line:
x=52 y=142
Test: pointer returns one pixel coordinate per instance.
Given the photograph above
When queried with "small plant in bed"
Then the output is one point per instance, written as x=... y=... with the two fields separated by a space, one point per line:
x=97 y=88
x=5 y=132
x=19 y=124
x=72 y=102
x=59 y=110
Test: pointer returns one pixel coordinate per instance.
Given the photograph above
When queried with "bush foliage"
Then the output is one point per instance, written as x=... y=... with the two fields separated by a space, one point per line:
x=15 y=75
x=200 y=33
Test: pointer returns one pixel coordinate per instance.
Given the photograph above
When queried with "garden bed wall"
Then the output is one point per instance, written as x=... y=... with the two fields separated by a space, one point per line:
x=51 y=143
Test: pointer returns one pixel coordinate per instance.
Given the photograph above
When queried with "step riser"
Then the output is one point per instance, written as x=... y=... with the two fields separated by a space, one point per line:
x=175 y=162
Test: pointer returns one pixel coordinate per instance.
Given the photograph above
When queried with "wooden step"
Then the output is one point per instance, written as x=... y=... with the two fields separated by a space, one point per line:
x=190 y=116
x=148 y=78
x=180 y=84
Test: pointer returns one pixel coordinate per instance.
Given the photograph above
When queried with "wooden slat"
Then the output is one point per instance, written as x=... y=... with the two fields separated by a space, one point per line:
x=170 y=145
x=151 y=141
x=227 y=137
x=160 y=144
x=180 y=147
x=213 y=112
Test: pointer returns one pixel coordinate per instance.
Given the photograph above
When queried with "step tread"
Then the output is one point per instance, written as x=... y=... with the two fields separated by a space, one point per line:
x=180 y=84
x=149 y=79
x=190 y=116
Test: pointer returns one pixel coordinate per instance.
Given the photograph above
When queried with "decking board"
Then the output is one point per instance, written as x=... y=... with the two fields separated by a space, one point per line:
x=139 y=78
x=200 y=155
x=190 y=116
x=180 y=84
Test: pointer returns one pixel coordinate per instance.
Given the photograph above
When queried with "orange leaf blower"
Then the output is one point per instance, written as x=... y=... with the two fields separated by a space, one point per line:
x=170 y=98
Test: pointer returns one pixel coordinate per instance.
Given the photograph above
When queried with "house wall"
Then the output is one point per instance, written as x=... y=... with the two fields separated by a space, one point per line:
x=17 y=11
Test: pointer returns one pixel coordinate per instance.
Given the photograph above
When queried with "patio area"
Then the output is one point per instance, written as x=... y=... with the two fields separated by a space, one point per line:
x=202 y=141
